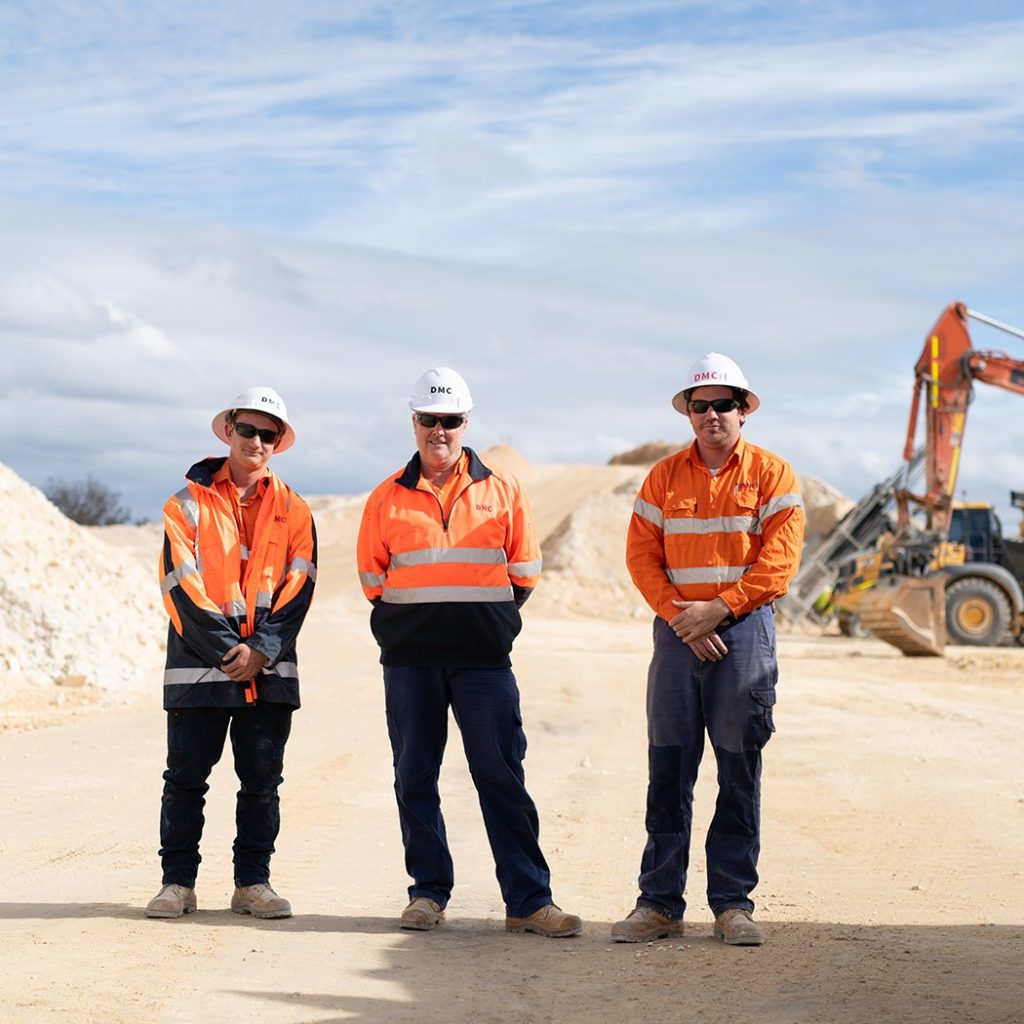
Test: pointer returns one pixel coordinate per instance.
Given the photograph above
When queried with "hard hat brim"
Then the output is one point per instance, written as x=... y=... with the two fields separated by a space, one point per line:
x=439 y=407
x=220 y=427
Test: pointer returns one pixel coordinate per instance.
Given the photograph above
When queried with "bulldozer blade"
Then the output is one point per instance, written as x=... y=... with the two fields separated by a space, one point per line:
x=908 y=612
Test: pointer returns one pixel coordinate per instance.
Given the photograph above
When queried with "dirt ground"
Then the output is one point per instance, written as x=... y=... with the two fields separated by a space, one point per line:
x=891 y=868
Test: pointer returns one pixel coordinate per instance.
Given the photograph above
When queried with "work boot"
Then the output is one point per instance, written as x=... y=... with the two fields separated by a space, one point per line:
x=422 y=915
x=737 y=928
x=644 y=924
x=260 y=901
x=172 y=901
x=549 y=921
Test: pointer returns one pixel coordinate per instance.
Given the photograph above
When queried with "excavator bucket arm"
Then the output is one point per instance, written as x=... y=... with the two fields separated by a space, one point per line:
x=908 y=612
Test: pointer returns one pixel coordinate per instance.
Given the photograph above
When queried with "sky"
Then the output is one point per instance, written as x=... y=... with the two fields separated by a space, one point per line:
x=568 y=201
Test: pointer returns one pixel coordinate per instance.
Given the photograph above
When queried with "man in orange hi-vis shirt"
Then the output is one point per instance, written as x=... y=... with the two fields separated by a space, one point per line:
x=447 y=555
x=237 y=571
x=714 y=539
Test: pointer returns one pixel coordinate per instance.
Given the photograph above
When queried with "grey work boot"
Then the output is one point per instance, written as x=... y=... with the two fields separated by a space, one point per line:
x=737 y=928
x=645 y=924
x=422 y=915
x=172 y=901
x=260 y=901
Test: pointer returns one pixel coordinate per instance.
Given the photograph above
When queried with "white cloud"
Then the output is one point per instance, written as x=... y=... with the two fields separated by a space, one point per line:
x=567 y=201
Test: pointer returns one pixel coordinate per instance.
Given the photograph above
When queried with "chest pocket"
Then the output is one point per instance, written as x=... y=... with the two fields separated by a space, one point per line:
x=680 y=508
x=745 y=505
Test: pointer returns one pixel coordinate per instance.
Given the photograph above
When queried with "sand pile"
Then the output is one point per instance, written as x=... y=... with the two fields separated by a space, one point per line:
x=585 y=555
x=825 y=507
x=77 y=610
x=647 y=454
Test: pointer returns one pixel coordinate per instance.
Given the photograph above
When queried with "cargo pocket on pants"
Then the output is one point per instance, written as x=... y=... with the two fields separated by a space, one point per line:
x=764 y=723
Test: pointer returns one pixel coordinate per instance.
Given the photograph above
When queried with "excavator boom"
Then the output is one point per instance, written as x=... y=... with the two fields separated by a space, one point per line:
x=908 y=608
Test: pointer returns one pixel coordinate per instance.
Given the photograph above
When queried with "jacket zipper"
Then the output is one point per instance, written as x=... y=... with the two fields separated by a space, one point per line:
x=458 y=498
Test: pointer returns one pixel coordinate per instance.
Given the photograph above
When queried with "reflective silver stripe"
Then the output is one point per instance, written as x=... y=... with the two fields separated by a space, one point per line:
x=371 y=579
x=433 y=556
x=243 y=552
x=645 y=510
x=427 y=595
x=710 y=574
x=717 y=524
x=264 y=600
x=176 y=575
x=189 y=676
x=189 y=506
x=234 y=609
x=303 y=565
x=778 y=503
x=525 y=568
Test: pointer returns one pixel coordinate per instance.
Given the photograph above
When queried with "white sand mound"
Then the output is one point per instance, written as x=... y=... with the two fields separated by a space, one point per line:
x=77 y=610
x=825 y=506
x=585 y=553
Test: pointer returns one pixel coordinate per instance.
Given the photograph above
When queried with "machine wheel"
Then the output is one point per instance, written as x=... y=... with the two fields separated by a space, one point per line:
x=849 y=625
x=977 y=613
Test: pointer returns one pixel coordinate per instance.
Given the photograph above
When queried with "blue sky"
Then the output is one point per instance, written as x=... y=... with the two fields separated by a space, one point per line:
x=567 y=201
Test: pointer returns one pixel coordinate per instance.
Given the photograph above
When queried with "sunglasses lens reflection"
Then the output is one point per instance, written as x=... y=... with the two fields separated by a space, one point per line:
x=249 y=431
x=429 y=421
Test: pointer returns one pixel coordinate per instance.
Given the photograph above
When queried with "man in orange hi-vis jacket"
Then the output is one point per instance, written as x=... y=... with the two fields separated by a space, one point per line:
x=237 y=572
x=715 y=537
x=447 y=554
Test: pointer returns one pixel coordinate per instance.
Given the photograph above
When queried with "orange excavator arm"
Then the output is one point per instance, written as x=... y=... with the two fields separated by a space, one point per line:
x=943 y=382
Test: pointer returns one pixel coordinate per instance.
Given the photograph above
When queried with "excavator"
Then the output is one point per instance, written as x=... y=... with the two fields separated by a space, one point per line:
x=926 y=580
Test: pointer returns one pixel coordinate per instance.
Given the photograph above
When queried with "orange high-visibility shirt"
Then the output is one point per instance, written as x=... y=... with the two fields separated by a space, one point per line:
x=736 y=535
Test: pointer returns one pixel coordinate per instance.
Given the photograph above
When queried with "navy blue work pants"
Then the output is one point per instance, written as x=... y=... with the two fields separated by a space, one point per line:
x=195 y=741
x=485 y=703
x=732 y=701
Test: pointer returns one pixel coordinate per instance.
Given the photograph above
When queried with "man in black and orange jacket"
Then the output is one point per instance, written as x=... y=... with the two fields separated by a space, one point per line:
x=237 y=572
x=447 y=554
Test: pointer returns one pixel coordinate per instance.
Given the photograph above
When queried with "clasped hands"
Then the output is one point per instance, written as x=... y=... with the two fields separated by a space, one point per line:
x=695 y=625
x=242 y=663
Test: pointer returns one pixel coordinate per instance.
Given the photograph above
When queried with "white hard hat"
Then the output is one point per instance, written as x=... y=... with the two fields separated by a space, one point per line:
x=714 y=369
x=440 y=390
x=257 y=399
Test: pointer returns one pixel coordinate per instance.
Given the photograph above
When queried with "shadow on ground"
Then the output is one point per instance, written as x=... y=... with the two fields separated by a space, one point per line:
x=472 y=971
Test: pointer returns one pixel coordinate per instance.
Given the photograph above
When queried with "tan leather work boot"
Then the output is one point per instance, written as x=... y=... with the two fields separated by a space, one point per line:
x=737 y=928
x=172 y=901
x=645 y=924
x=550 y=921
x=422 y=915
x=260 y=901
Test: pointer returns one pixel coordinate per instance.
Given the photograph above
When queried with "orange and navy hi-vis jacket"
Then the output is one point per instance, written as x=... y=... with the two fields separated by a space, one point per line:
x=447 y=591
x=736 y=535
x=214 y=603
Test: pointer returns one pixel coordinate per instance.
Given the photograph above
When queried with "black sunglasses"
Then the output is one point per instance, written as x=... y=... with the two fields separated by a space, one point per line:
x=249 y=431
x=429 y=420
x=720 y=405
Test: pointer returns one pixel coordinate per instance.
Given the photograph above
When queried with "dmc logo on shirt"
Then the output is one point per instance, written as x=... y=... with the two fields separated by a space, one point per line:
x=485 y=508
x=280 y=519
x=745 y=485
